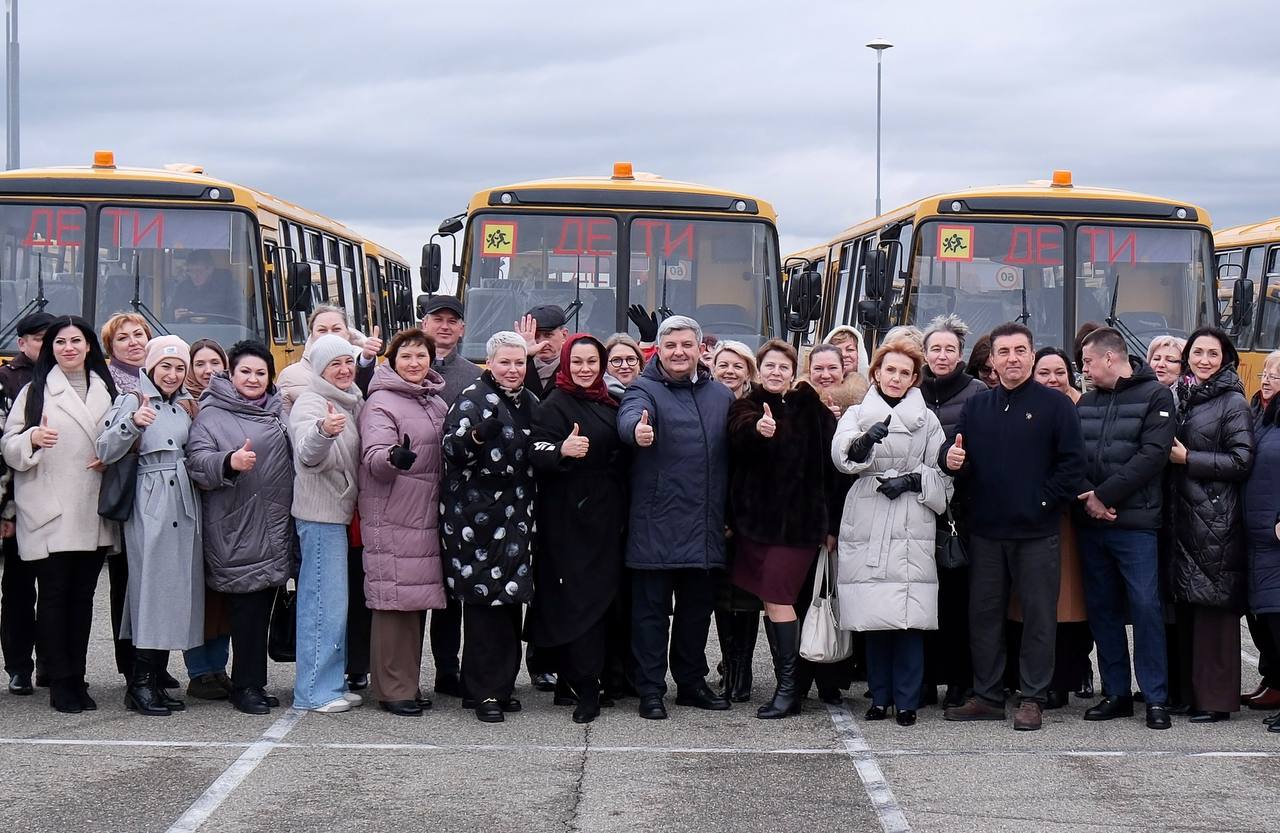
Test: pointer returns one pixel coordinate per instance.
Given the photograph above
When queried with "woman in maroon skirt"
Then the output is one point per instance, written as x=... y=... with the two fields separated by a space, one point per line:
x=784 y=500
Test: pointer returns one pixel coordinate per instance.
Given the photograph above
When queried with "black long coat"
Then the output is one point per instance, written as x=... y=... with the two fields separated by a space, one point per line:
x=1209 y=559
x=487 y=527
x=582 y=514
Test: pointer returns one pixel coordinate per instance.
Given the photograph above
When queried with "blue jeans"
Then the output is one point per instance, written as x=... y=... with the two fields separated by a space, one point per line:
x=1122 y=565
x=322 y=615
x=209 y=658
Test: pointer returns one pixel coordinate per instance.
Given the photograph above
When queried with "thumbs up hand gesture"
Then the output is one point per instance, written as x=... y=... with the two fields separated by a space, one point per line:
x=372 y=345
x=243 y=458
x=402 y=456
x=766 y=426
x=644 y=431
x=878 y=431
x=44 y=436
x=334 y=422
x=955 y=454
x=145 y=415
x=575 y=445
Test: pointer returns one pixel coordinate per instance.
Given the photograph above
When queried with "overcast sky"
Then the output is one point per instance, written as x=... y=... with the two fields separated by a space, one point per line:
x=389 y=114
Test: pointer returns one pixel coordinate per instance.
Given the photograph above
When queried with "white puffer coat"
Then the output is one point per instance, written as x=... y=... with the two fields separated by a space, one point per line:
x=887 y=576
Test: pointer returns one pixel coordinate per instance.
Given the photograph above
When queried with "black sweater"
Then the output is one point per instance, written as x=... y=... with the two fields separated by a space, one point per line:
x=1024 y=460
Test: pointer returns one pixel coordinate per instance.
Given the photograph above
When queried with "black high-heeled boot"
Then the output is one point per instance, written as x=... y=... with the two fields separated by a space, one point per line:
x=784 y=643
x=746 y=628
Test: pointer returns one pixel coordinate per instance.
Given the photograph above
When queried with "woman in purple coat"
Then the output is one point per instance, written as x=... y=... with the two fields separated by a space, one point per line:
x=399 y=479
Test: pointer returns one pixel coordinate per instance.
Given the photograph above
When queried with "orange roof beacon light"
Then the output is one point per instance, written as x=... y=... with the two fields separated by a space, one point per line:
x=104 y=159
x=1062 y=179
x=623 y=170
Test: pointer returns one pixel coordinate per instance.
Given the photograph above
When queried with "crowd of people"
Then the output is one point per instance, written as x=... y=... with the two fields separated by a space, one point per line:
x=586 y=508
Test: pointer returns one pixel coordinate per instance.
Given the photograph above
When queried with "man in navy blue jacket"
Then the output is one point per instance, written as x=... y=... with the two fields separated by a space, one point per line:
x=676 y=417
x=1019 y=454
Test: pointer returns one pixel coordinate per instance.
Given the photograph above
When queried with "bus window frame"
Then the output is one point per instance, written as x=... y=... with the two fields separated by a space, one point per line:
x=1270 y=278
x=277 y=320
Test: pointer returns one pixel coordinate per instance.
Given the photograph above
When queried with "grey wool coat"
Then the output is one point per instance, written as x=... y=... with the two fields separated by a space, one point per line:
x=249 y=543
x=164 y=604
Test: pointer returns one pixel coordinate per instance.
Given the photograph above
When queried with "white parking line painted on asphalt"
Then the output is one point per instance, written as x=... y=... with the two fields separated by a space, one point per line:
x=892 y=819
x=204 y=806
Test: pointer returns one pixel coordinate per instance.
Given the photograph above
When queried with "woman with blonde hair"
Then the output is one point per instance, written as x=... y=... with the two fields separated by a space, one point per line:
x=888 y=578
x=734 y=366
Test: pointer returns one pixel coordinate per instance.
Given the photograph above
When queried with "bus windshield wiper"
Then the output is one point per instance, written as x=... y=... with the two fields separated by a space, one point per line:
x=1118 y=324
x=1026 y=314
x=139 y=305
x=663 y=309
x=571 y=312
x=36 y=304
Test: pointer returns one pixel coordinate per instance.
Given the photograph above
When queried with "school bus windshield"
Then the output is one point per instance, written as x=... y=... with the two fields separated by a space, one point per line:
x=717 y=271
x=991 y=272
x=41 y=256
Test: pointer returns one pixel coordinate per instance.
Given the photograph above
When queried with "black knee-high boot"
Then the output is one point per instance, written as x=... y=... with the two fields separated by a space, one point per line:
x=784 y=642
x=724 y=635
x=142 y=694
x=745 y=627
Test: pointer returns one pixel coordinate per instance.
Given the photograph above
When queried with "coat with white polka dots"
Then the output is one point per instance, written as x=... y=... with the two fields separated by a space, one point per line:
x=487 y=526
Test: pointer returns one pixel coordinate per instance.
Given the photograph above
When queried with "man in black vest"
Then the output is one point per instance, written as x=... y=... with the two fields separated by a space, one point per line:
x=1018 y=453
x=1128 y=424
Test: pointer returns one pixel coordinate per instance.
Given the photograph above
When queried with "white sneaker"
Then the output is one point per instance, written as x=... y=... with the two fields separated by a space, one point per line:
x=334 y=706
x=352 y=698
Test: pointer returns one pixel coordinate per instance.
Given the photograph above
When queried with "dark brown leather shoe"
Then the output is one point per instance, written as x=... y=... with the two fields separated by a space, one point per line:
x=1028 y=716
x=975 y=709
x=1266 y=700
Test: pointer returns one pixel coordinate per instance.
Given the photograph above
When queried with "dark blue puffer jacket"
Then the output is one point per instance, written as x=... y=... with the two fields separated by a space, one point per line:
x=1261 y=508
x=680 y=483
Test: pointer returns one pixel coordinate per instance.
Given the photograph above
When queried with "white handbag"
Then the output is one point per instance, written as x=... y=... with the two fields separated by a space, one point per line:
x=821 y=640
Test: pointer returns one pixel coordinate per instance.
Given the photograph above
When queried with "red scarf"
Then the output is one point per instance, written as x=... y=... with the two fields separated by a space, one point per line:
x=597 y=391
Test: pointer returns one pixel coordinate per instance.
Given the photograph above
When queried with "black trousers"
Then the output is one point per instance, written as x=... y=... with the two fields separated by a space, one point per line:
x=17 y=610
x=446 y=637
x=996 y=565
x=946 y=650
x=118 y=576
x=1264 y=637
x=490 y=651
x=250 y=622
x=66 y=582
x=359 y=617
x=653 y=624
x=581 y=661
x=619 y=663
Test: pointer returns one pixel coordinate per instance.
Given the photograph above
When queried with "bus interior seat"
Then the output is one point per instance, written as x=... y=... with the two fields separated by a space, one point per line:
x=64 y=298
x=491 y=310
x=932 y=301
x=718 y=315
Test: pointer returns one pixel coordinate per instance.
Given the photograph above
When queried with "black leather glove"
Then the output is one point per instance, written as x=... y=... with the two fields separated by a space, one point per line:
x=860 y=449
x=488 y=430
x=402 y=457
x=646 y=322
x=895 y=487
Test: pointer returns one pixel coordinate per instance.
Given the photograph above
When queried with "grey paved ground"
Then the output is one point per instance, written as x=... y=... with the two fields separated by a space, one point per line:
x=212 y=769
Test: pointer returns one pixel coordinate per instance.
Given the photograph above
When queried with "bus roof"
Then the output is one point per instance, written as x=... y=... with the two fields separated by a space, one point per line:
x=84 y=181
x=1019 y=197
x=1267 y=231
x=636 y=192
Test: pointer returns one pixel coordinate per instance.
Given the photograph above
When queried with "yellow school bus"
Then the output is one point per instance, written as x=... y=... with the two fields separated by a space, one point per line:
x=1047 y=253
x=197 y=256
x=1248 y=264
x=595 y=245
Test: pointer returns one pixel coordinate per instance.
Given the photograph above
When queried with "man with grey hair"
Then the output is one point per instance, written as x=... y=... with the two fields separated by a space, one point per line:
x=675 y=416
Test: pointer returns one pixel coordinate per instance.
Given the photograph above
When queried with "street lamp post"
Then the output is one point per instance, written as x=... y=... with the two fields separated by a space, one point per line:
x=879 y=45
x=11 y=84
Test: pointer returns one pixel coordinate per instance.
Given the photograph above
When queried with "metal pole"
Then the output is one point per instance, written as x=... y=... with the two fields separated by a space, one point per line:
x=879 y=55
x=12 y=155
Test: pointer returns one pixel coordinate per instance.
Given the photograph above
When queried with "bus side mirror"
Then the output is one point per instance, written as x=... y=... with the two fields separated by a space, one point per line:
x=877 y=282
x=1242 y=304
x=429 y=272
x=300 y=287
x=804 y=300
x=452 y=225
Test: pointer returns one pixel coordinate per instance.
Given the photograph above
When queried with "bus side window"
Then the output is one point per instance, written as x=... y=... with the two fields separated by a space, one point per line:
x=1253 y=271
x=1229 y=266
x=844 y=283
x=1269 y=304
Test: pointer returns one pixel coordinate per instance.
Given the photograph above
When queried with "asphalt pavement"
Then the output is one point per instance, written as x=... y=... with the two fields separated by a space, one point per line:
x=214 y=769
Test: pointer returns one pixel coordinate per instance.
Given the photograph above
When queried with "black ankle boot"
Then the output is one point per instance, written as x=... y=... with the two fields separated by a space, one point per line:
x=588 y=707
x=784 y=643
x=164 y=681
x=142 y=695
x=746 y=627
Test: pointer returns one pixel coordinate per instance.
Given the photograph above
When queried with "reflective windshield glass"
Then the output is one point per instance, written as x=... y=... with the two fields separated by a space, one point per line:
x=990 y=273
x=522 y=261
x=716 y=271
x=41 y=256
x=1156 y=276
x=193 y=270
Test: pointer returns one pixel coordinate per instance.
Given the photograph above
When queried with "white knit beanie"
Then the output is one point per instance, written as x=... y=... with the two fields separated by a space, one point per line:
x=327 y=348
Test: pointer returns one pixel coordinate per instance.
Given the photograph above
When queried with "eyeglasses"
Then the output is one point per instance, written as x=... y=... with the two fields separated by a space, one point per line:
x=1269 y=377
x=624 y=361
x=987 y=371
